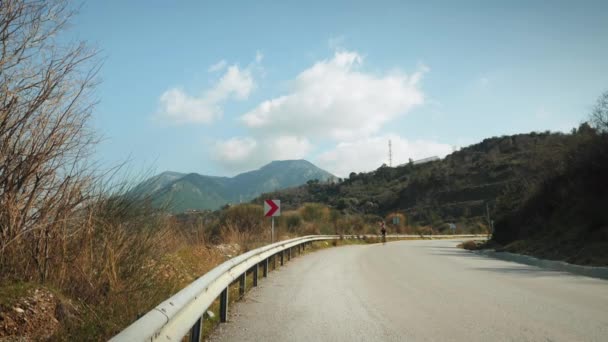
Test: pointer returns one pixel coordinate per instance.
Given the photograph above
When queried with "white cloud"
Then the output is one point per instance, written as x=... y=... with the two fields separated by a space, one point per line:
x=178 y=107
x=235 y=150
x=219 y=66
x=332 y=102
x=246 y=153
x=370 y=153
x=236 y=82
x=335 y=99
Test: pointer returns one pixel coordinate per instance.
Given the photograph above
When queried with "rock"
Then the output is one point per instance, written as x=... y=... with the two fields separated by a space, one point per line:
x=18 y=310
x=62 y=312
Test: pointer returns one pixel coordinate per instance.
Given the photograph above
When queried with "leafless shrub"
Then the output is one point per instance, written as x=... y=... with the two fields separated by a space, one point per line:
x=45 y=105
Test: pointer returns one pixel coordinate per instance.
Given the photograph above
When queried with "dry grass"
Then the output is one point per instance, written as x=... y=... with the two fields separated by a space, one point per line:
x=471 y=245
x=117 y=259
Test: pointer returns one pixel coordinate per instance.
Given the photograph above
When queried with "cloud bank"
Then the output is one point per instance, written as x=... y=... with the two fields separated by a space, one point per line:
x=337 y=104
x=178 y=107
x=334 y=99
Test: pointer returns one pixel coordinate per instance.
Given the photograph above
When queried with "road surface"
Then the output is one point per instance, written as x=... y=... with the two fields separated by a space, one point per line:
x=417 y=291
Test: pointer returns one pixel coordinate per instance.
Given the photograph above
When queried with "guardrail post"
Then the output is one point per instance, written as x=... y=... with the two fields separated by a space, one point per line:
x=196 y=331
x=255 y=274
x=265 y=267
x=282 y=258
x=242 y=284
x=224 y=306
x=289 y=254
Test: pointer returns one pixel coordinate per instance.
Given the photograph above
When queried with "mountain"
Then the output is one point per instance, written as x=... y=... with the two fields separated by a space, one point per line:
x=183 y=192
x=154 y=184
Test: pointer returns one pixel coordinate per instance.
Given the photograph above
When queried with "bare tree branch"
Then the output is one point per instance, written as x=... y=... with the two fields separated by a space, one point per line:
x=45 y=140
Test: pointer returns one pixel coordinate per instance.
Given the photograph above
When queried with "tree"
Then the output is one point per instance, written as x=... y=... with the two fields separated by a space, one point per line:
x=45 y=105
x=599 y=115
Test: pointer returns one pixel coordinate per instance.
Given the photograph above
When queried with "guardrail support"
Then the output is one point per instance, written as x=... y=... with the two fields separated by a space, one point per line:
x=255 y=275
x=242 y=284
x=224 y=306
x=265 y=268
x=282 y=258
x=196 y=331
x=289 y=254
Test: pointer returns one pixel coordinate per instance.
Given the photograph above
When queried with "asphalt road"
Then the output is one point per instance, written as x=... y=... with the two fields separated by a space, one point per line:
x=417 y=291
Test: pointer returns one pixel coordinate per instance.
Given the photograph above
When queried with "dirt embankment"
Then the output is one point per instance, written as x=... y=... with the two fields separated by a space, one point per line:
x=32 y=313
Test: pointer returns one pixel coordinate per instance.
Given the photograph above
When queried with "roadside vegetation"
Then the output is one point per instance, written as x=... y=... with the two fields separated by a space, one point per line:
x=561 y=214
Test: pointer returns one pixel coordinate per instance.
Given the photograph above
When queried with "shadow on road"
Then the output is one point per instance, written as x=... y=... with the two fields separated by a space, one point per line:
x=523 y=270
x=458 y=253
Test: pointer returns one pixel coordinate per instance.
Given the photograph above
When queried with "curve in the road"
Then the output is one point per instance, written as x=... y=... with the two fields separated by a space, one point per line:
x=418 y=291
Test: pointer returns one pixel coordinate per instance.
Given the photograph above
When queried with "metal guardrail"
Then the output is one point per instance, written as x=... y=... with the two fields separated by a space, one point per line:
x=172 y=319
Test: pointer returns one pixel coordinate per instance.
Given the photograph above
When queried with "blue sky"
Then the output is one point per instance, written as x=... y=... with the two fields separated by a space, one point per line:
x=224 y=87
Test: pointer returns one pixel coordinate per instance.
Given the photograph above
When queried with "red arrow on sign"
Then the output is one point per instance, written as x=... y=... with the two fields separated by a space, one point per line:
x=272 y=208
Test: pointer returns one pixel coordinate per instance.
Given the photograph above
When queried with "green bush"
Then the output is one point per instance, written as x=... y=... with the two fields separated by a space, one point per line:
x=314 y=212
x=245 y=217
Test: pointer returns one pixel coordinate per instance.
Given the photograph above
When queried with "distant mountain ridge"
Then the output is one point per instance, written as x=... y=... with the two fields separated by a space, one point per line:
x=182 y=192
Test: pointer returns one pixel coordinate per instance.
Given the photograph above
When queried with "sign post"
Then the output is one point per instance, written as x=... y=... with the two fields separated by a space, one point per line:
x=272 y=208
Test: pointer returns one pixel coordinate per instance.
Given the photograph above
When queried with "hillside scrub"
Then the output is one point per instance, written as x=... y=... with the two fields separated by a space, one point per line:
x=562 y=215
x=456 y=189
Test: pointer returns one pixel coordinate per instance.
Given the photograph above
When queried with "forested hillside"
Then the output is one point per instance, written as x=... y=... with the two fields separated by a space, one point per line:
x=455 y=189
x=563 y=215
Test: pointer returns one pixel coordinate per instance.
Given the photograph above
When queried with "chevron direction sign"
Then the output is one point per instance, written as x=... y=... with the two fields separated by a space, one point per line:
x=272 y=208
